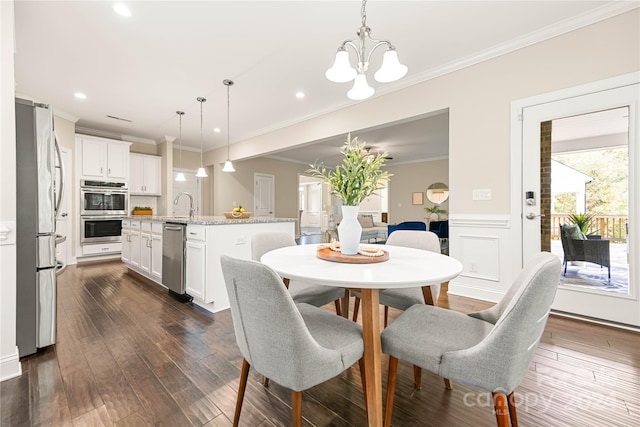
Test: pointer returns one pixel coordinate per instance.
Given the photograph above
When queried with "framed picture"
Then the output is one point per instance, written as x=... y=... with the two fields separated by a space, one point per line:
x=417 y=198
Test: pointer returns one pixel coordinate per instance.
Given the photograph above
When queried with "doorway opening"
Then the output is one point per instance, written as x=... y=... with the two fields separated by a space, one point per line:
x=585 y=196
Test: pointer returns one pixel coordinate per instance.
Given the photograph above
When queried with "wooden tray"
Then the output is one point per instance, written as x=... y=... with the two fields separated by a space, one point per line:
x=335 y=256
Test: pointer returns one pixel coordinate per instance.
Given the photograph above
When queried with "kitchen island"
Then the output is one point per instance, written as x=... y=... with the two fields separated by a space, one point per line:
x=208 y=237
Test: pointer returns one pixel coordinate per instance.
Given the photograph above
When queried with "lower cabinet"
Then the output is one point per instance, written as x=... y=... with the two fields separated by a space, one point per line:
x=142 y=247
x=196 y=269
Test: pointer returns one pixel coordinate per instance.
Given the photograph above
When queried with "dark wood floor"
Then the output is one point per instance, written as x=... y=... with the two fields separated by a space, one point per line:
x=128 y=355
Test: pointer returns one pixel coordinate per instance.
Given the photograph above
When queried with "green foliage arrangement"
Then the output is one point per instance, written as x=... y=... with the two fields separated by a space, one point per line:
x=436 y=209
x=582 y=220
x=359 y=175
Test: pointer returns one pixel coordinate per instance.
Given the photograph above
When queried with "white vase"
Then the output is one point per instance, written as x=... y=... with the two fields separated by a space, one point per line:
x=349 y=230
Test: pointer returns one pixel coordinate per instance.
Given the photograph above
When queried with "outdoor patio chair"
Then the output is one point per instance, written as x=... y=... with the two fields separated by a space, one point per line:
x=577 y=247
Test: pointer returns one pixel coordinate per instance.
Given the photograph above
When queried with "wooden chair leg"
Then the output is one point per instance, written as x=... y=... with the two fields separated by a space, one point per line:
x=296 y=406
x=265 y=382
x=338 y=308
x=448 y=384
x=386 y=315
x=391 y=389
x=363 y=378
x=501 y=409
x=513 y=415
x=356 y=308
x=417 y=377
x=244 y=374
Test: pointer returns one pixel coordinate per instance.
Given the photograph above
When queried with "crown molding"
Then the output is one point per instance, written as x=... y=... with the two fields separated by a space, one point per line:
x=593 y=16
x=65 y=115
x=96 y=132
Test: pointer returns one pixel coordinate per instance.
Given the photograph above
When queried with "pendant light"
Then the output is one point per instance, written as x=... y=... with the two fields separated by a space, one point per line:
x=228 y=166
x=201 y=172
x=180 y=177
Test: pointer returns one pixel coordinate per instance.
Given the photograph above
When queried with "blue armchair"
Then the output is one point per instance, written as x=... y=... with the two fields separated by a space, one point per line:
x=441 y=228
x=407 y=225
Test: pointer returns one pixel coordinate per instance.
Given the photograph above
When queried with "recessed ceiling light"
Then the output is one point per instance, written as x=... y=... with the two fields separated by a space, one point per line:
x=300 y=95
x=216 y=130
x=122 y=9
x=80 y=95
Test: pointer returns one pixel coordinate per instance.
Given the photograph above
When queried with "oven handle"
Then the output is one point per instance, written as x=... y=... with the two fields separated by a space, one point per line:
x=102 y=190
x=102 y=217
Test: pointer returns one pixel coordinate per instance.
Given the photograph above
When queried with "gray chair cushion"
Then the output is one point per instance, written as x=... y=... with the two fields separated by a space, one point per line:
x=439 y=329
x=302 y=292
x=318 y=295
x=334 y=332
x=572 y=231
x=405 y=298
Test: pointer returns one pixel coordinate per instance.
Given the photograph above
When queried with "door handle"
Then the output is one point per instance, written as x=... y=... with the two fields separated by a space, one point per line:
x=64 y=214
x=531 y=215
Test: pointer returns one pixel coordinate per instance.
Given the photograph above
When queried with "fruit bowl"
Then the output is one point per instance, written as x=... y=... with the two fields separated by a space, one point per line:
x=237 y=215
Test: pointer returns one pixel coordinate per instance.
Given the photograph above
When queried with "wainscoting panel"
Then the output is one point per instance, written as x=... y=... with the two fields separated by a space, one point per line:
x=482 y=244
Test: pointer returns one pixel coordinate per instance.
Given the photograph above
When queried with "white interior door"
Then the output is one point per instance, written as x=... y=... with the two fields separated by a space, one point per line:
x=263 y=195
x=622 y=308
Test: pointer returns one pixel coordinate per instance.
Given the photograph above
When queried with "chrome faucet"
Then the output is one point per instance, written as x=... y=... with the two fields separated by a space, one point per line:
x=191 y=208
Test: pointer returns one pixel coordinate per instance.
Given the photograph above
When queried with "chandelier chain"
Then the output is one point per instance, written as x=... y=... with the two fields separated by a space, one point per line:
x=228 y=114
x=363 y=12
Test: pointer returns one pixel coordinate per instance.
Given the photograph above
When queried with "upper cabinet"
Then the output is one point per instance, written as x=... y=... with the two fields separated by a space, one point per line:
x=145 y=175
x=103 y=158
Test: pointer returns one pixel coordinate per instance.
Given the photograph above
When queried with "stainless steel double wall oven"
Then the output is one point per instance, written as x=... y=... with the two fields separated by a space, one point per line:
x=103 y=206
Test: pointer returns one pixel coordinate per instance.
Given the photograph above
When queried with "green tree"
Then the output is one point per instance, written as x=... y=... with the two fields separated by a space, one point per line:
x=608 y=193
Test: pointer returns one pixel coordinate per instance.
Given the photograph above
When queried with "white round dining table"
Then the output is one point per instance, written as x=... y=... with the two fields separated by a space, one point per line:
x=405 y=268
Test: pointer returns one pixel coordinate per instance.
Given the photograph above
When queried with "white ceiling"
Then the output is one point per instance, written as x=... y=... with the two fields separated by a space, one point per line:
x=160 y=59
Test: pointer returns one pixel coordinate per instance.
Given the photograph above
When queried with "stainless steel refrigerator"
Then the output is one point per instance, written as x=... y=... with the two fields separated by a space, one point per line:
x=37 y=201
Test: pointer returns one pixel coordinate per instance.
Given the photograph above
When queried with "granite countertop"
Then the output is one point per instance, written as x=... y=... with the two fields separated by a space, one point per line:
x=207 y=220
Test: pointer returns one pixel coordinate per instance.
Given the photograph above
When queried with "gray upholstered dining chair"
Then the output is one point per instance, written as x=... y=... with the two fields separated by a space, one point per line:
x=309 y=293
x=405 y=298
x=490 y=349
x=296 y=345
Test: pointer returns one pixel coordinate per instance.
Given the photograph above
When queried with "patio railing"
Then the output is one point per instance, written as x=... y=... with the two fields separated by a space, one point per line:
x=611 y=227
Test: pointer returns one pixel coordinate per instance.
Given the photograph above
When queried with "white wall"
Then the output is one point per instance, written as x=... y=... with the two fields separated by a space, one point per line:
x=9 y=363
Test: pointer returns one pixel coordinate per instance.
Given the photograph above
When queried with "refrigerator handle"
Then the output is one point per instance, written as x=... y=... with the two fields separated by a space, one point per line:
x=61 y=192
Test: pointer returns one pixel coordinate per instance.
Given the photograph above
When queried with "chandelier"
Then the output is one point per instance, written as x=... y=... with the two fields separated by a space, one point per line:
x=342 y=71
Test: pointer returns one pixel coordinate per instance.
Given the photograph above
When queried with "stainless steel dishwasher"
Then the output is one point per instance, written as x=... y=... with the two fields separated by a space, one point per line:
x=173 y=260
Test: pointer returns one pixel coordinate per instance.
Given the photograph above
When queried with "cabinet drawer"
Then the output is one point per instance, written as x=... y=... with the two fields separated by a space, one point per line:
x=196 y=233
x=145 y=226
x=156 y=227
x=126 y=223
x=106 y=248
x=135 y=224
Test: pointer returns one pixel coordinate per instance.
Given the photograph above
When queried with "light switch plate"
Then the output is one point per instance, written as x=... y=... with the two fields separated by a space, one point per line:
x=482 y=194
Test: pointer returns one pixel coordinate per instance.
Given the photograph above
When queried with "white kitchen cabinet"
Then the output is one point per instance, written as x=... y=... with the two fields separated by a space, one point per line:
x=156 y=257
x=126 y=241
x=196 y=268
x=144 y=175
x=135 y=242
x=103 y=158
x=142 y=247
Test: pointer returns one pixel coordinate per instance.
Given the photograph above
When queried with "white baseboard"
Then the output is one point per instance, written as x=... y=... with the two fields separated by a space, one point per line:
x=465 y=290
x=10 y=366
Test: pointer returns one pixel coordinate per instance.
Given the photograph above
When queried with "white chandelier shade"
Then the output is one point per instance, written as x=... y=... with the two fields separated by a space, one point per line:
x=342 y=71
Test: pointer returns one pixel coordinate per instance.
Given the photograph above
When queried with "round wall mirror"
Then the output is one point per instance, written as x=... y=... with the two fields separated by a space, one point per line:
x=437 y=193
